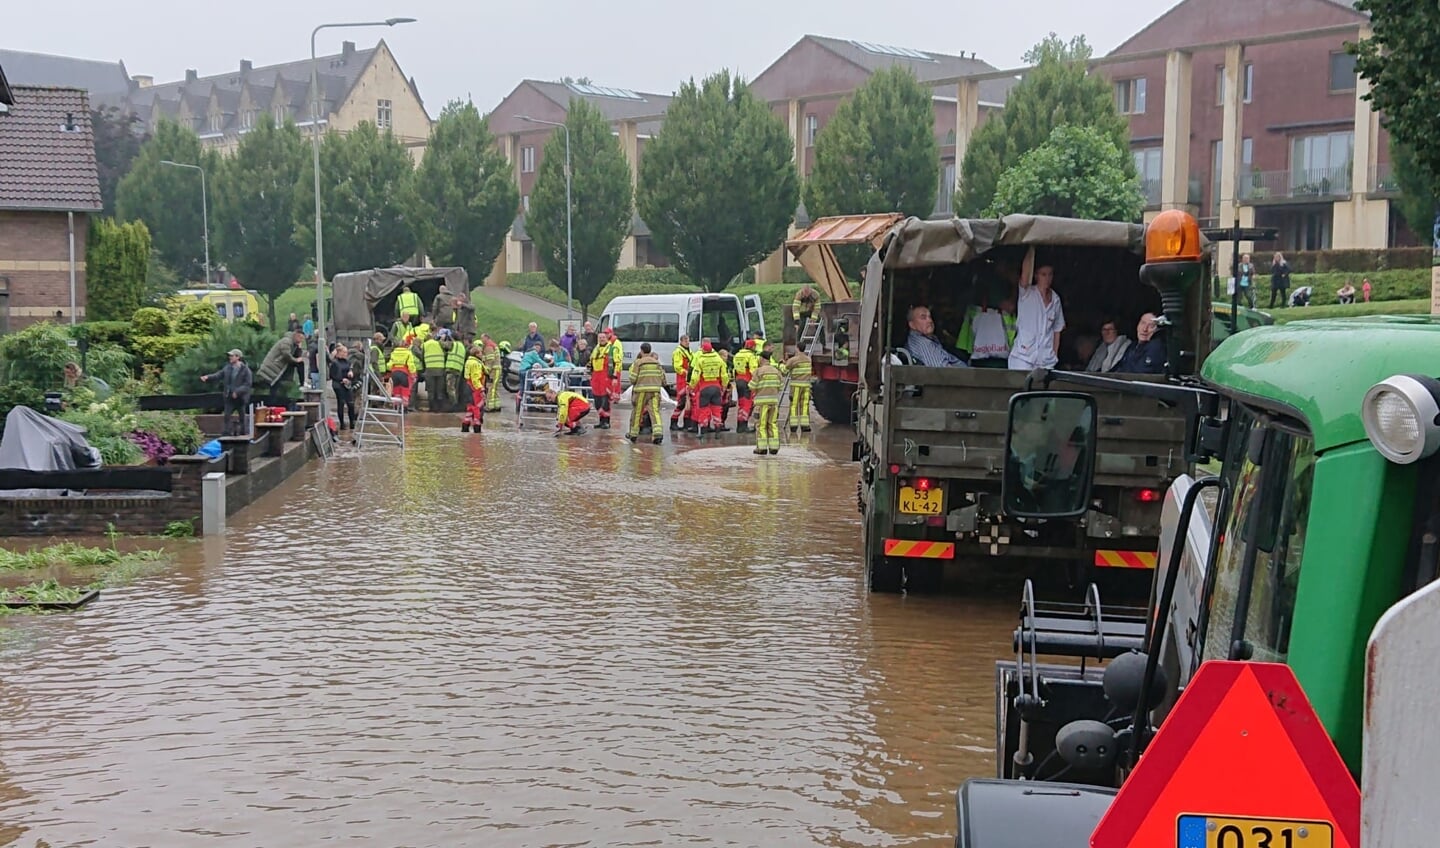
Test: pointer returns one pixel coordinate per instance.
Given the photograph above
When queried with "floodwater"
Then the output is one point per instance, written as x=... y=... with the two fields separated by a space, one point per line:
x=510 y=640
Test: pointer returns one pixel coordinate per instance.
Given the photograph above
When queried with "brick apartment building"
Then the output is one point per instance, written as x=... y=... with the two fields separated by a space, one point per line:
x=48 y=188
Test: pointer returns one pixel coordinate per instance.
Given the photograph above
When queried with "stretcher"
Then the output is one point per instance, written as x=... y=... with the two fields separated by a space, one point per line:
x=531 y=407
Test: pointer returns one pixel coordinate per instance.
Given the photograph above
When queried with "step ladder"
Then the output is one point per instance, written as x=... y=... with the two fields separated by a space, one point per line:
x=382 y=417
x=812 y=337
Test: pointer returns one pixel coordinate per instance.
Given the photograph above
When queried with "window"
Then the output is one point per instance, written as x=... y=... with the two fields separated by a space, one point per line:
x=1147 y=165
x=647 y=326
x=1247 y=72
x=238 y=310
x=247 y=119
x=1130 y=96
x=1320 y=164
x=1342 y=71
x=220 y=310
x=1249 y=81
x=1247 y=153
x=1270 y=470
x=812 y=129
x=382 y=114
x=719 y=322
x=216 y=122
x=527 y=160
x=525 y=202
x=279 y=113
x=944 y=202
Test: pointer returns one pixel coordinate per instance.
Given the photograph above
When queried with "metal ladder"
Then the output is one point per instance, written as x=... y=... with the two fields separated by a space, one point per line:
x=812 y=337
x=382 y=417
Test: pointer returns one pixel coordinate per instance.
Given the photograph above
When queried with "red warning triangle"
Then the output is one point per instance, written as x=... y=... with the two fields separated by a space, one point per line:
x=1243 y=742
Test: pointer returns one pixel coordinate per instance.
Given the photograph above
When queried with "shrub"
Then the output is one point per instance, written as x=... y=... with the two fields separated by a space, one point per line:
x=1350 y=261
x=116 y=449
x=19 y=394
x=1402 y=284
x=151 y=321
x=37 y=355
x=174 y=428
x=197 y=319
x=103 y=332
x=158 y=350
x=182 y=373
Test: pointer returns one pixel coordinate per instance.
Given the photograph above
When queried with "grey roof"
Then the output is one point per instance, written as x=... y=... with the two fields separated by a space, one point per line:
x=47 y=151
x=925 y=64
x=616 y=104
x=99 y=78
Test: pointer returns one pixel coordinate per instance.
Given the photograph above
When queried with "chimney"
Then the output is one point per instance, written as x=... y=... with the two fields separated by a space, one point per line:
x=143 y=80
x=245 y=67
x=191 y=75
x=347 y=49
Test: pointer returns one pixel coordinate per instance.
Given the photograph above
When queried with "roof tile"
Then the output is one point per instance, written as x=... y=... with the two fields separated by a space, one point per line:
x=42 y=164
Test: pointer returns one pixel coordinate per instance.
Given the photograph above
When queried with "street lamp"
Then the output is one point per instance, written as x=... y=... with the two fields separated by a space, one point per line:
x=204 y=212
x=322 y=354
x=569 y=254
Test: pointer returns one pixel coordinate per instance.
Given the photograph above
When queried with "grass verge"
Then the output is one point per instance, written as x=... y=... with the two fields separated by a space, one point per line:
x=503 y=321
x=1351 y=310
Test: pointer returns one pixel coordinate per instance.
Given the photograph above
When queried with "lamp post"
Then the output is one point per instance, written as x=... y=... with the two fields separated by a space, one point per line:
x=569 y=254
x=204 y=212
x=322 y=354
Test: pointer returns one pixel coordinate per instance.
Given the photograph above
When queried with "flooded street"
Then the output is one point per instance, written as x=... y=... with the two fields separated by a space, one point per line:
x=510 y=640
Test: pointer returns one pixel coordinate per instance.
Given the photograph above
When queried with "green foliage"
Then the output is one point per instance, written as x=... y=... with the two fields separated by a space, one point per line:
x=178 y=429
x=1056 y=92
x=602 y=200
x=109 y=362
x=179 y=530
x=464 y=197
x=118 y=136
x=161 y=280
x=37 y=355
x=1401 y=284
x=299 y=299
x=1078 y=173
x=103 y=332
x=773 y=300
x=1358 y=260
x=158 y=350
x=627 y=281
x=117 y=262
x=878 y=153
x=13 y=394
x=715 y=220
x=365 y=174
x=150 y=321
x=109 y=424
x=255 y=193
x=197 y=319
x=1419 y=198
x=207 y=355
x=503 y=321
x=1399 y=62
x=167 y=198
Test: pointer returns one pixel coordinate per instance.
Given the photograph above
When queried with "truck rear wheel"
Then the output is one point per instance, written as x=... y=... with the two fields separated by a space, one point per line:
x=834 y=401
x=886 y=576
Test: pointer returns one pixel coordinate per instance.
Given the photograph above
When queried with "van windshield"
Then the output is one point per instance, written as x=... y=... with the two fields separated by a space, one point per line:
x=646 y=326
x=718 y=321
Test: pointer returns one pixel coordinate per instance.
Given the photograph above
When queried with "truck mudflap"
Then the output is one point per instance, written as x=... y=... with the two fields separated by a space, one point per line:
x=1024 y=814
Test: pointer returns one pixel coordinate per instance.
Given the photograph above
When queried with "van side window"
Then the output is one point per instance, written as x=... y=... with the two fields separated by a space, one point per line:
x=646 y=326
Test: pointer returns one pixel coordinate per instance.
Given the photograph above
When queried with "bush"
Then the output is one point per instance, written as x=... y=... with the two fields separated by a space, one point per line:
x=197 y=319
x=158 y=350
x=1404 y=284
x=1351 y=261
x=19 y=394
x=207 y=354
x=37 y=355
x=108 y=362
x=116 y=449
x=103 y=332
x=176 y=429
x=150 y=321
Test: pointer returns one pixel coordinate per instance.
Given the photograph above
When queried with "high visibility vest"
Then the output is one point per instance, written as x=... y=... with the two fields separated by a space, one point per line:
x=709 y=368
x=401 y=359
x=455 y=359
x=433 y=355
x=680 y=361
x=765 y=383
x=646 y=373
x=422 y=333
x=607 y=357
x=798 y=367
x=408 y=303
x=474 y=372
x=562 y=404
x=745 y=362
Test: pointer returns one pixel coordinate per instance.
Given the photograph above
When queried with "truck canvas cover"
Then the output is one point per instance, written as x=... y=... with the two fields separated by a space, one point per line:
x=357 y=293
x=915 y=244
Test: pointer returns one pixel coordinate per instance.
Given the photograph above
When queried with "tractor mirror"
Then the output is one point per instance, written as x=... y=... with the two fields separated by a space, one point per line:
x=1049 y=455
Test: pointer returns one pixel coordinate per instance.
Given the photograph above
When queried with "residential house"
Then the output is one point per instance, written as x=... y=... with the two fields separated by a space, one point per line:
x=99 y=78
x=48 y=188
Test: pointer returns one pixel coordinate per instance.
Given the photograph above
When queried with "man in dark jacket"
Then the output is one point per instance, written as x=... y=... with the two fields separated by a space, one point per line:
x=236 y=381
x=286 y=356
x=1147 y=355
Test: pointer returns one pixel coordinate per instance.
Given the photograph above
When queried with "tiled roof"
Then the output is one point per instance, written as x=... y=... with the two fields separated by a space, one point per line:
x=616 y=104
x=45 y=164
x=925 y=64
x=96 y=77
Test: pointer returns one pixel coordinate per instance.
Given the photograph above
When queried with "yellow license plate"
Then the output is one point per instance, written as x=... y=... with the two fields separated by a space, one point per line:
x=921 y=502
x=1195 y=831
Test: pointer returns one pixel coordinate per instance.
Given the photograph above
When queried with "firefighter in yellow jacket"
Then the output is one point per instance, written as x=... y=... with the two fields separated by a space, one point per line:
x=570 y=407
x=403 y=368
x=711 y=377
x=798 y=369
x=684 y=415
x=474 y=419
x=765 y=383
x=490 y=357
x=605 y=363
x=647 y=380
x=744 y=364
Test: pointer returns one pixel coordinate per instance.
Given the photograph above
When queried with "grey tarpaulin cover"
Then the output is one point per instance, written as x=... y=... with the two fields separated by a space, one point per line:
x=357 y=292
x=38 y=442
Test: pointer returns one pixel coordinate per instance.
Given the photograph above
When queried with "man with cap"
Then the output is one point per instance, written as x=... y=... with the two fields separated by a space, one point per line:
x=236 y=381
x=710 y=377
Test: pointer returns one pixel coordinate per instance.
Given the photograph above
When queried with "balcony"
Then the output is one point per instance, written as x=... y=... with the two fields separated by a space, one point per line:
x=1383 y=182
x=1317 y=185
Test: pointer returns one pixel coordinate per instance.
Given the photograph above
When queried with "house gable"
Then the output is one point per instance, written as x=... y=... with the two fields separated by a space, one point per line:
x=808 y=67
x=1210 y=21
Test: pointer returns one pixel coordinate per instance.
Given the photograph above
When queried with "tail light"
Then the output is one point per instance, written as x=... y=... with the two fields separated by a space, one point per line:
x=923 y=484
x=894 y=469
x=1147 y=495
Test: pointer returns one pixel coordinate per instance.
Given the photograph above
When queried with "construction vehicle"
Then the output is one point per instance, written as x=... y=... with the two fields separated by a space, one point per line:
x=827 y=335
x=931 y=441
x=1323 y=515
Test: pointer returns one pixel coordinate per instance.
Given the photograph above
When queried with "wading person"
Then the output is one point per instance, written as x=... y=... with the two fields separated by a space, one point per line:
x=684 y=410
x=402 y=374
x=454 y=368
x=432 y=357
x=799 y=370
x=744 y=364
x=710 y=378
x=474 y=388
x=765 y=385
x=647 y=380
x=605 y=375
x=236 y=381
x=570 y=407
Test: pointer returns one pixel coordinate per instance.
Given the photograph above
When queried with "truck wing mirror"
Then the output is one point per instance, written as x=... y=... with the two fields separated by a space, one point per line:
x=1049 y=455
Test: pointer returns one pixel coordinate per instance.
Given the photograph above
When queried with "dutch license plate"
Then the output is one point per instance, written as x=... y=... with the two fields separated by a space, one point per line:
x=917 y=502
x=1195 y=831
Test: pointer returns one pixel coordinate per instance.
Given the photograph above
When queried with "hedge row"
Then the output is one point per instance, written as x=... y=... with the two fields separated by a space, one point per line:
x=1403 y=284
x=1349 y=261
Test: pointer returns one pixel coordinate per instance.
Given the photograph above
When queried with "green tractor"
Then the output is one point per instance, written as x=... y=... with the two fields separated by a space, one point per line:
x=1322 y=513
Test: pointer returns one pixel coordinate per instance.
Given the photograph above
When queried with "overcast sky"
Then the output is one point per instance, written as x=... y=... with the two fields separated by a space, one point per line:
x=482 y=48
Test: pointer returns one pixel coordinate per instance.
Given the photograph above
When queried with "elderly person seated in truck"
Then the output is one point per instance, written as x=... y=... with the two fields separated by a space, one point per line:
x=923 y=345
x=1110 y=353
x=1147 y=355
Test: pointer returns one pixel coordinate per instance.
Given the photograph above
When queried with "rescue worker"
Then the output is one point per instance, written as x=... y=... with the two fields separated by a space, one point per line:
x=727 y=401
x=710 y=378
x=802 y=309
x=454 y=368
x=798 y=369
x=443 y=308
x=475 y=384
x=744 y=362
x=432 y=358
x=647 y=380
x=680 y=361
x=424 y=330
x=765 y=384
x=490 y=358
x=402 y=374
x=377 y=357
x=570 y=407
x=605 y=374
x=407 y=303
x=400 y=330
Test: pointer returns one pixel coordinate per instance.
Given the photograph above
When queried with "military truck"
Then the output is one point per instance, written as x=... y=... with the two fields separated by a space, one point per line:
x=1324 y=513
x=931 y=441
x=364 y=301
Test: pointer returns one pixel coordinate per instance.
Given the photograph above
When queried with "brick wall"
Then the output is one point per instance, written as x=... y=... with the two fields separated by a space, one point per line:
x=90 y=516
x=35 y=258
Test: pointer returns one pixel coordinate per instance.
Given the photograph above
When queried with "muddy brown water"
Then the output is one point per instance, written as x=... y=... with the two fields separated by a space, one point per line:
x=510 y=640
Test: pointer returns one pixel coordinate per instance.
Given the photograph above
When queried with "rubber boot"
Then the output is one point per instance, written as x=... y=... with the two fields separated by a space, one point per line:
x=632 y=439
x=659 y=440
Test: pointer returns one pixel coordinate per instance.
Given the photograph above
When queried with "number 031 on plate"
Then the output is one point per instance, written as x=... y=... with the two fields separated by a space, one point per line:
x=1196 y=831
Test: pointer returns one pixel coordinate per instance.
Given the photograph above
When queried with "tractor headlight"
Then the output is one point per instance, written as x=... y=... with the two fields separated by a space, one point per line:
x=1402 y=417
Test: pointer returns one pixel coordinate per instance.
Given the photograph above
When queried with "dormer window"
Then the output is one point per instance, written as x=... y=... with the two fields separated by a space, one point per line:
x=215 y=122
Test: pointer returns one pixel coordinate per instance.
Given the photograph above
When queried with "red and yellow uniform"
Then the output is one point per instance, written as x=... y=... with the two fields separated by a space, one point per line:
x=475 y=379
x=402 y=374
x=744 y=363
x=684 y=404
x=711 y=377
x=570 y=407
x=605 y=364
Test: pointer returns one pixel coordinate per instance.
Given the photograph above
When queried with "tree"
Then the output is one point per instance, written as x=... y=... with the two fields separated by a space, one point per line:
x=1418 y=199
x=254 y=202
x=1078 y=173
x=364 y=177
x=118 y=137
x=1056 y=91
x=117 y=260
x=167 y=198
x=878 y=153
x=1400 y=63
x=714 y=221
x=602 y=200
x=464 y=196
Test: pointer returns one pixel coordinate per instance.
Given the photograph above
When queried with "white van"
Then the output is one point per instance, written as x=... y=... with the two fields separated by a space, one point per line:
x=661 y=319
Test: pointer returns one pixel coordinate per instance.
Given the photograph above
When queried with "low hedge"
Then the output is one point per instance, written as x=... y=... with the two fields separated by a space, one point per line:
x=1350 y=261
x=628 y=281
x=1403 y=284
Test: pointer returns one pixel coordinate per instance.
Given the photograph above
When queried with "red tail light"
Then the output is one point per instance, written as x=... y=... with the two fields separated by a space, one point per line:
x=1147 y=495
x=923 y=484
x=894 y=469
